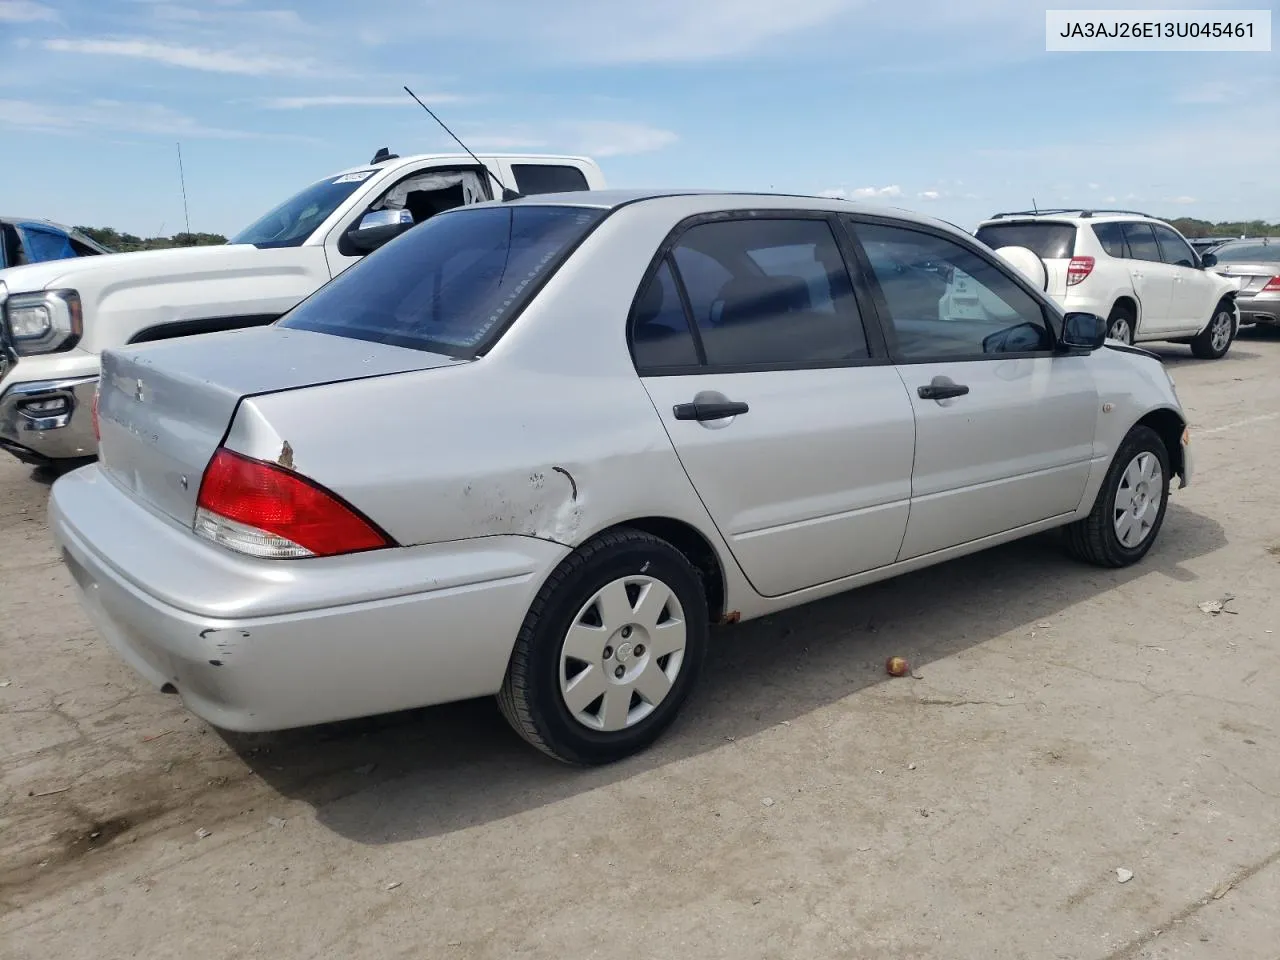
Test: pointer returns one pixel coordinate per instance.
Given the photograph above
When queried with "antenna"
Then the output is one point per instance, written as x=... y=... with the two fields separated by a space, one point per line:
x=506 y=193
x=182 y=178
x=1033 y=205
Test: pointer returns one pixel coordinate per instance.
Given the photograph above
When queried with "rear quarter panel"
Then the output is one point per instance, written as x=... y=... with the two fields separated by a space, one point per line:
x=549 y=435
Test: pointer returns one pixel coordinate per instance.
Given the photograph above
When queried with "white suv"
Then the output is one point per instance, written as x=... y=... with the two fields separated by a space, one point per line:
x=1135 y=270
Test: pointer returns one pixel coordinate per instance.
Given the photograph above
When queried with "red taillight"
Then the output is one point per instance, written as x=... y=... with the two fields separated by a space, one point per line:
x=266 y=511
x=97 y=433
x=1273 y=286
x=1078 y=269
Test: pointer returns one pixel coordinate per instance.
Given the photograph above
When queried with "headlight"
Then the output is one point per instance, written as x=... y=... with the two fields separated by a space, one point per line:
x=43 y=322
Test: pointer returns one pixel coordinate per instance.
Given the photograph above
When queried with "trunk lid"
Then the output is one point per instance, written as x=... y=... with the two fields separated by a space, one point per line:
x=1251 y=277
x=164 y=408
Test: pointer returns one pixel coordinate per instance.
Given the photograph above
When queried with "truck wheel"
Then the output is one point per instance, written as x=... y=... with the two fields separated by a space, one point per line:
x=1215 y=339
x=1121 y=323
x=610 y=648
x=1129 y=511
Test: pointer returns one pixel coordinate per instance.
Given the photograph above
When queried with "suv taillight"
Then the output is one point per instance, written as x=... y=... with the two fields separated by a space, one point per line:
x=262 y=510
x=1273 y=286
x=1078 y=269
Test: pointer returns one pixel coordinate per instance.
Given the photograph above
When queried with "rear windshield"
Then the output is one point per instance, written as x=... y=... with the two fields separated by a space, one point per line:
x=1248 y=252
x=1050 y=241
x=446 y=284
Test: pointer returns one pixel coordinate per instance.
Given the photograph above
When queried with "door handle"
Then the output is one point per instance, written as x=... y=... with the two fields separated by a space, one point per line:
x=941 y=391
x=714 y=410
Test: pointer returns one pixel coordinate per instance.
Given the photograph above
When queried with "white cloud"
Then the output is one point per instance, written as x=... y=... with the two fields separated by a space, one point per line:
x=25 y=11
x=1182 y=199
x=680 y=30
x=344 y=100
x=929 y=195
x=193 y=58
x=1094 y=186
x=498 y=141
x=861 y=193
x=103 y=117
x=615 y=138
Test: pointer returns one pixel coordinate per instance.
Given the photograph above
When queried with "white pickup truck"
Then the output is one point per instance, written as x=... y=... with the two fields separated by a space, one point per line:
x=56 y=318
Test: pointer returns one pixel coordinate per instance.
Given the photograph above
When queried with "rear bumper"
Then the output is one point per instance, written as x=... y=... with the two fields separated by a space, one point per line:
x=46 y=420
x=1260 y=308
x=262 y=645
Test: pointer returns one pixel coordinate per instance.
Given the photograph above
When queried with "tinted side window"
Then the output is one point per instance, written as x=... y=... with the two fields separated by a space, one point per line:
x=768 y=291
x=547 y=178
x=1112 y=239
x=44 y=245
x=660 y=334
x=945 y=301
x=1173 y=248
x=1141 y=241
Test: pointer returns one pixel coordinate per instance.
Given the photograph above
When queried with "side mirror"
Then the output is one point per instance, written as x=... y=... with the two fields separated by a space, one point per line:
x=1083 y=331
x=1208 y=260
x=377 y=227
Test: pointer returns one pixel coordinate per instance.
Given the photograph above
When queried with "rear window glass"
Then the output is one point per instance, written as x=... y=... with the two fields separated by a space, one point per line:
x=1248 y=253
x=447 y=283
x=547 y=178
x=1049 y=241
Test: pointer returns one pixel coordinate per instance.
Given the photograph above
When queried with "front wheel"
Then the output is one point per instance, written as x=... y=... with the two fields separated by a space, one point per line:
x=1215 y=339
x=1129 y=511
x=609 y=651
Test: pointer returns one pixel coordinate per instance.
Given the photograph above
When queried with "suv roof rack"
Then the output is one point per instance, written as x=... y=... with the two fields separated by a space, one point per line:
x=1082 y=212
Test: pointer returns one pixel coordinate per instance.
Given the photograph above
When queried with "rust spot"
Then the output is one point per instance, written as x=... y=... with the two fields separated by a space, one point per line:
x=733 y=616
x=572 y=483
x=286 y=456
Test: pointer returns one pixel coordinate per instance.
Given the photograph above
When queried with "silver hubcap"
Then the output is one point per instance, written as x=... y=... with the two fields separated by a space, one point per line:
x=1120 y=330
x=1220 y=334
x=623 y=653
x=1138 y=500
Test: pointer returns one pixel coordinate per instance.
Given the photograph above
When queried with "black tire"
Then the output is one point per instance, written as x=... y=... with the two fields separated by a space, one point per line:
x=1121 y=312
x=531 y=699
x=1202 y=344
x=1094 y=539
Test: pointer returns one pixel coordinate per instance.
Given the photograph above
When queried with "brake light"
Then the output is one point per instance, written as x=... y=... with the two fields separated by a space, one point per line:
x=1078 y=269
x=1273 y=286
x=263 y=510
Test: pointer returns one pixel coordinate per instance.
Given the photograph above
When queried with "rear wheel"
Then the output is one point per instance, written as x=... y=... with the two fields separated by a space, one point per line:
x=1129 y=511
x=1215 y=339
x=1121 y=324
x=610 y=648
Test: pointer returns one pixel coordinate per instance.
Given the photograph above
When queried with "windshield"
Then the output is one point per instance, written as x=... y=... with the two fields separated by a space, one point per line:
x=289 y=224
x=448 y=283
x=1248 y=252
x=1049 y=241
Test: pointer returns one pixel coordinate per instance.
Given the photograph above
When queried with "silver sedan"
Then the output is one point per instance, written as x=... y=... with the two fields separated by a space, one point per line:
x=537 y=448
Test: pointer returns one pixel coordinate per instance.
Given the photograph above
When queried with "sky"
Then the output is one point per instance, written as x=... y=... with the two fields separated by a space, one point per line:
x=951 y=107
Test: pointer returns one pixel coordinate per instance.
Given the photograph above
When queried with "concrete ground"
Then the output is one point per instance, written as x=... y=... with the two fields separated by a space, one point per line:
x=1068 y=722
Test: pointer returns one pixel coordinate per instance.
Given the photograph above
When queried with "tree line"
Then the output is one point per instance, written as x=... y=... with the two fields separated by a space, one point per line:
x=127 y=243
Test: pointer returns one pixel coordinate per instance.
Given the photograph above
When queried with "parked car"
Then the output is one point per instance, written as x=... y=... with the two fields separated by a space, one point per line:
x=26 y=240
x=534 y=449
x=1203 y=245
x=1135 y=270
x=1255 y=265
x=59 y=317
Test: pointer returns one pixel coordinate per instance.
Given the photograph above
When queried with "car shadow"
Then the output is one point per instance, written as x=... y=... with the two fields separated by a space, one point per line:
x=46 y=473
x=430 y=772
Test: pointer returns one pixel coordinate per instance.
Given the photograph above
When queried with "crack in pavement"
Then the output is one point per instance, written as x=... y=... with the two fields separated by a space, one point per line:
x=1130 y=950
